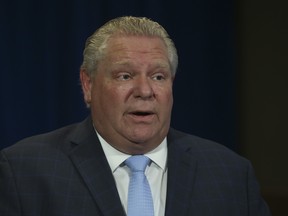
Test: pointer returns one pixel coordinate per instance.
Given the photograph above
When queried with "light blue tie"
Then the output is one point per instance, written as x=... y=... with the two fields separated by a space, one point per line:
x=140 y=202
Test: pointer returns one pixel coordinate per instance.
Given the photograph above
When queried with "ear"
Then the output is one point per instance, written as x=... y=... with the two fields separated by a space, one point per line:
x=86 y=83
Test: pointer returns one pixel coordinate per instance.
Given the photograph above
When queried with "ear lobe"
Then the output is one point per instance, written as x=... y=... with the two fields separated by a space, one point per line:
x=86 y=83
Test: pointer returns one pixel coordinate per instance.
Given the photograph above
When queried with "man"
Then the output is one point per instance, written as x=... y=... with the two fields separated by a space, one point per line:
x=127 y=76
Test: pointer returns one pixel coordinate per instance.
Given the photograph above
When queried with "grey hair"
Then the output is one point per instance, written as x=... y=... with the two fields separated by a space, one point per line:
x=131 y=26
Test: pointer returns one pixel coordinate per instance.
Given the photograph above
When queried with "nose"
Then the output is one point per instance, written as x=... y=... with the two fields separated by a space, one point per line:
x=143 y=88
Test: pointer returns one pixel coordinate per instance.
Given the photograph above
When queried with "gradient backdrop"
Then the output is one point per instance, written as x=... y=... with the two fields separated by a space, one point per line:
x=41 y=45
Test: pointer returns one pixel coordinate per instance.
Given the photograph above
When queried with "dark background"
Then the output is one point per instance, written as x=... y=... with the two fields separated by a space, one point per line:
x=231 y=85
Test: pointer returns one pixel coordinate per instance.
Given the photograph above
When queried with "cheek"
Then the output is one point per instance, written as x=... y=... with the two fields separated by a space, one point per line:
x=121 y=94
x=114 y=94
x=111 y=98
x=167 y=95
x=169 y=104
x=165 y=101
x=169 y=100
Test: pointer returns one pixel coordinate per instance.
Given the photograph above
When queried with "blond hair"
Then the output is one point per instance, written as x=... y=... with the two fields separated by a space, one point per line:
x=130 y=26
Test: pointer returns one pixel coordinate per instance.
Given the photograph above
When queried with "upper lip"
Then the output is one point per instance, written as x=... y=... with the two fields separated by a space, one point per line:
x=141 y=112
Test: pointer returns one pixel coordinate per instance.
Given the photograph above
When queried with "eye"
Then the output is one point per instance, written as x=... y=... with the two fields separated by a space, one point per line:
x=124 y=76
x=158 y=77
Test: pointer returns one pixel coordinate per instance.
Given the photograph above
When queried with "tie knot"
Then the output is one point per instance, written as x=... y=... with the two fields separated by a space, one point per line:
x=137 y=163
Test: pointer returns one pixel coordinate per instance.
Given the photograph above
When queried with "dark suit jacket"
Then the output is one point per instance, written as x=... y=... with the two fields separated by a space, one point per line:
x=65 y=173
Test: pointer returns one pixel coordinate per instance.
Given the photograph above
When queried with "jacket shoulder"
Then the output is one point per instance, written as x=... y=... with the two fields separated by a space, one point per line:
x=49 y=141
x=202 y=148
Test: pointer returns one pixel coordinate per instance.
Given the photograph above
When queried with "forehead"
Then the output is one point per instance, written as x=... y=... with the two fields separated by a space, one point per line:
x=123 y=48
x=141 y=44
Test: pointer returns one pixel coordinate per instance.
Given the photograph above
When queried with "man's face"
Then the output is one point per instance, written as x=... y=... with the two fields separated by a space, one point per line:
x=131 y=94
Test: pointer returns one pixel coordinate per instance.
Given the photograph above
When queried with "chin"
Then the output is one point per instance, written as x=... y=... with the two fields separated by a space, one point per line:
x=145 y=134
x=141 y=147
x=140 y=140
x=145 y=140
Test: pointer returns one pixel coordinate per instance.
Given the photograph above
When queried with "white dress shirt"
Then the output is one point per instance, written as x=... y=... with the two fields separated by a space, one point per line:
x=156 y=173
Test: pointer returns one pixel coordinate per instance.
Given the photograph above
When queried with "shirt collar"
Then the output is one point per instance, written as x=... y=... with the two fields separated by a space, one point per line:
x=115 y=158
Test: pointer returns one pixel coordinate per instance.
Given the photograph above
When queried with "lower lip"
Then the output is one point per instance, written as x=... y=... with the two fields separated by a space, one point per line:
x=142 y=118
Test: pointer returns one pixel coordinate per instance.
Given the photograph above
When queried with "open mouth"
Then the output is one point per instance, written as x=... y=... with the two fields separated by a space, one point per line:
x=138 y=113
x=142 y=116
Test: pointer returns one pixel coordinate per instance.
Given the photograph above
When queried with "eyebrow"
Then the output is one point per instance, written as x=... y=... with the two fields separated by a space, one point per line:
x=157 y=64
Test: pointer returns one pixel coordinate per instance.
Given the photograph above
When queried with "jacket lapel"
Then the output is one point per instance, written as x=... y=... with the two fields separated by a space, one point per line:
x=86 y=153
x=181 y=176
x=88 y=157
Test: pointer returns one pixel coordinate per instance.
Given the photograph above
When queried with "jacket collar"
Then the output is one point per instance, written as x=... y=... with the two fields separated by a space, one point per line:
x=181 y=174
x=86 y=153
